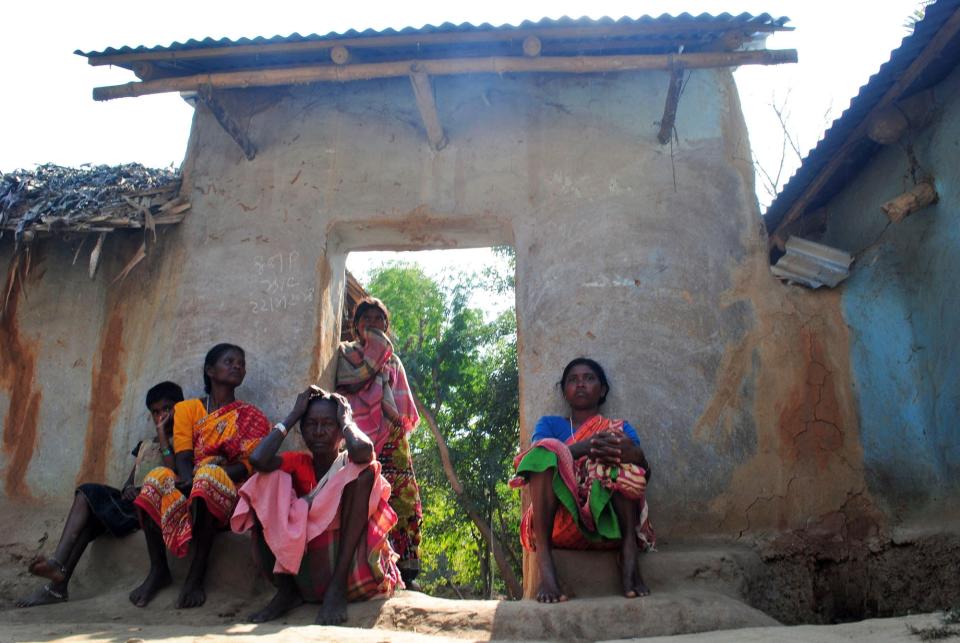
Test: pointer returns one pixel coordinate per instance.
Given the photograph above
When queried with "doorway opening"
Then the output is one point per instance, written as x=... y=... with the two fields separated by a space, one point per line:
x=453 y=326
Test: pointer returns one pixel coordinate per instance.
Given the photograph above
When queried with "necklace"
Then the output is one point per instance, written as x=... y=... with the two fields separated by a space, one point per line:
x=570 y=420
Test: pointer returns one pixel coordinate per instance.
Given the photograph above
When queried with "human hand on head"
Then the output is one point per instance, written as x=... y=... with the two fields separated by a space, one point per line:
x=300 y=406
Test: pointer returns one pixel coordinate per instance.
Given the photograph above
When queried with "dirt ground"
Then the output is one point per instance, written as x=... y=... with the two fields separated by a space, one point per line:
x=697 y=594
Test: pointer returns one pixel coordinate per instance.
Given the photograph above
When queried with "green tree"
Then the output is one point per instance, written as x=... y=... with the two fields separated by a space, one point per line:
x=464 y=371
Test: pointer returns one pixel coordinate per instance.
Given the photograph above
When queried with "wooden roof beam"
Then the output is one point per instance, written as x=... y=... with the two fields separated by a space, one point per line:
x=445 y=67
x=670 y=107
x=423 y=92
x=227 y=122
x=447 y=38
x=933 y=49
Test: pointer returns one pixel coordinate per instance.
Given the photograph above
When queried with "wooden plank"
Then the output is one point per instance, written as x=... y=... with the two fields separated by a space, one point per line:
x=423 y=92
x=670 y=107
x=544 y=33
x=443 y=67
x=229 y=125
x=933 y=49
x=917 y=198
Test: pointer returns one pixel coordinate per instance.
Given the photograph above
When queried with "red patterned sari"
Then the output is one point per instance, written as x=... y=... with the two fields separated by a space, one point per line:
x=227 y=436
x=586 y=518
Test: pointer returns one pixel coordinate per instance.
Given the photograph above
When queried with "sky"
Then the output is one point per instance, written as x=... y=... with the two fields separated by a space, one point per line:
x=49 y=115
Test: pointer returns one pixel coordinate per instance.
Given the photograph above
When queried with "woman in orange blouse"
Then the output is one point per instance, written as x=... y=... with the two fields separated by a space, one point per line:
x=212 y=441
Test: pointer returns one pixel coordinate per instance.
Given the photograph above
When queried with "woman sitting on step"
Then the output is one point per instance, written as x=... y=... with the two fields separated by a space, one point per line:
x=587 y=477
x=320 y=518
x=212 y=441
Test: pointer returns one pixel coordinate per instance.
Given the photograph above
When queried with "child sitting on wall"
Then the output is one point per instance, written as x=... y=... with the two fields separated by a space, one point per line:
x=98 y=509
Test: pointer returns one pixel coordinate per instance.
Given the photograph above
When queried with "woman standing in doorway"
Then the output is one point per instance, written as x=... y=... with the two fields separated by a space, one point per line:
x=372 y=378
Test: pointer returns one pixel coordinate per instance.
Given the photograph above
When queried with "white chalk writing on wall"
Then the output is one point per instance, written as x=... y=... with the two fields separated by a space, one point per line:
x=278 y=283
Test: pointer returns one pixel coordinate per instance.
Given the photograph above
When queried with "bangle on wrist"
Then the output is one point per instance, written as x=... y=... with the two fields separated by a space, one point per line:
x=282 y=428
x=166 y=452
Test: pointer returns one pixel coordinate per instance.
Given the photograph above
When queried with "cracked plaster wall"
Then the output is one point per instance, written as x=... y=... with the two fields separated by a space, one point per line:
x=649 y=258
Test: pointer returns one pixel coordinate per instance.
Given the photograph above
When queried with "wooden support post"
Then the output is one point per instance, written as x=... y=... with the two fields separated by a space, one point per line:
x=670 y=108
x=917 y=198
x=532 y=46
x=273 y=77
x=340 y=55
x=145 y=70
x=229 y=125
x=423 y=92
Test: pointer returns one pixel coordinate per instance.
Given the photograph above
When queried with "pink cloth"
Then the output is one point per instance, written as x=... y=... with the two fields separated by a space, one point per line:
x=373 y=379
x=289 y=523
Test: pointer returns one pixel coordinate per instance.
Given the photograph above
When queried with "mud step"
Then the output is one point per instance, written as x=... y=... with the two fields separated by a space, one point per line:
x=722 y=570
x=661 y=614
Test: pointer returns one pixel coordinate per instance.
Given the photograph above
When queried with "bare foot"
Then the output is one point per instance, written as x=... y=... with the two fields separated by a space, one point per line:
x=628 y=568
x=641 y=587
x=632 y=580
x=46 y=595
x=281 y=603
x=49 y=568
x=549 y=590
x=192 y=594
x=334 y=608
x=153 y=583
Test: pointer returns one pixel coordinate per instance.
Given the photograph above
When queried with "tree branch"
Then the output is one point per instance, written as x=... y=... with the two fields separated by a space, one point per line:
x=514 y=589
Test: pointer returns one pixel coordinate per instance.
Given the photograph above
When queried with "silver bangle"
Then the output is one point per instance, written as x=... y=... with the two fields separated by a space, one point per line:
x=282 y=428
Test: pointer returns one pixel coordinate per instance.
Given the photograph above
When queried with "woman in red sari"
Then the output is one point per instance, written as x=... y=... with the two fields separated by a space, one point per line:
x=212 y=441
x=587 y=477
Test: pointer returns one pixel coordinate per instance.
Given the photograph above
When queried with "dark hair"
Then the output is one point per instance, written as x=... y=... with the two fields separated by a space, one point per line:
x=366 y=304
x=593 y=366
x=331 y=397
x=322 y=400
x=164 y=391
x=210 y=360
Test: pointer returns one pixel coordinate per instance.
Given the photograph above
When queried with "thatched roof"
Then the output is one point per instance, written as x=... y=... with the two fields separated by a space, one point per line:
x=102 y=198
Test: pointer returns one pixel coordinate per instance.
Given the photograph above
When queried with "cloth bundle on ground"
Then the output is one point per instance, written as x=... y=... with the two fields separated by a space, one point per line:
x=302 y=533
x=226 y=436
x=585 y=491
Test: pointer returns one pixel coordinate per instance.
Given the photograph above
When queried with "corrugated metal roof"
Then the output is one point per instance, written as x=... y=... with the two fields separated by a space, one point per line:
x=812 y=264
x=868 y=97
x=764 y=22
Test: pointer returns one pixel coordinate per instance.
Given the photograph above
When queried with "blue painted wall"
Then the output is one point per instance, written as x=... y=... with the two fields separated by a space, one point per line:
x=902 y=304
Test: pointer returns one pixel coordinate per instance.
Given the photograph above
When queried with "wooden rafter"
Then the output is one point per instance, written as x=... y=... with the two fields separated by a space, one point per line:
x=442 y=67
x=230 y=126
x=379 y=42
x=423 y=92
x=936 y=45
x=670 y=108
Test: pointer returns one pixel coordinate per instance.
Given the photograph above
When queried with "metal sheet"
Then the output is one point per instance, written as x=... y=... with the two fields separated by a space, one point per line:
x=812 y=264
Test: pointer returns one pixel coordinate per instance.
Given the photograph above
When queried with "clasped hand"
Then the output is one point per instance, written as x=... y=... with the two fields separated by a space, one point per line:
x=607 y=447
